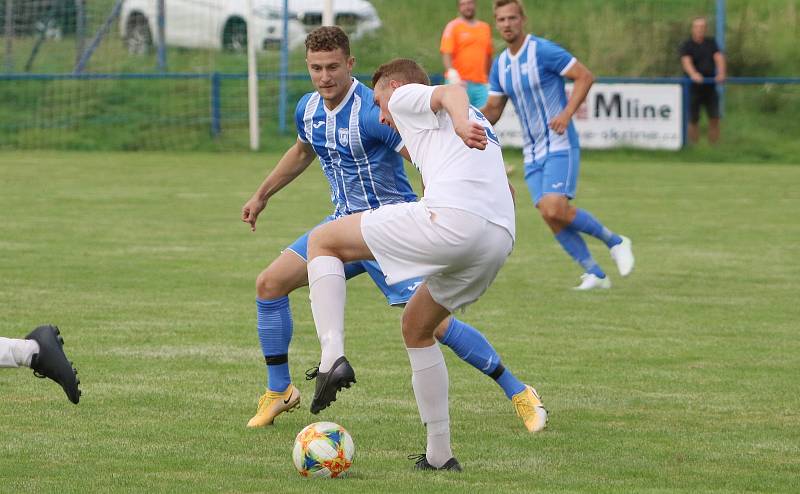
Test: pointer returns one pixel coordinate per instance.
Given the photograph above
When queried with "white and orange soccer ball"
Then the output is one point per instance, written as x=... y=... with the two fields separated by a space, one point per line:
x=323 y=449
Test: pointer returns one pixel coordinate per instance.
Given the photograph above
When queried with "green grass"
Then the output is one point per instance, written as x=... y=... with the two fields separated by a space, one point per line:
x=683 y=377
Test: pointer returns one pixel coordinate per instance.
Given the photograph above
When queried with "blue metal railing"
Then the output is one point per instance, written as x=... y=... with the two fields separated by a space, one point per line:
x=216 y=80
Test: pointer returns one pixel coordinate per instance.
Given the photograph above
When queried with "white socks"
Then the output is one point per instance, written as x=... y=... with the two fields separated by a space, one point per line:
x=430 y=382
x=326 y=282
x=16 y=353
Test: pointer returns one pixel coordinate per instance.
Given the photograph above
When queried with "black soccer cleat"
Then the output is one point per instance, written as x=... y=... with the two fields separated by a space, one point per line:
x=422 y=464
x=51 y=362
x=340 y=376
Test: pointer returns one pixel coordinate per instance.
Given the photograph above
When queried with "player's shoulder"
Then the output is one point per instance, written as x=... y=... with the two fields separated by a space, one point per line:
x=409 y=90
x=452 y=25
x=363 y=91
x=304 y=100
x=541 y=42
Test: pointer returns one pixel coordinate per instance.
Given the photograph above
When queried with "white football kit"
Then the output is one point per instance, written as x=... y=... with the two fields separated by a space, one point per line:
x=461 y=232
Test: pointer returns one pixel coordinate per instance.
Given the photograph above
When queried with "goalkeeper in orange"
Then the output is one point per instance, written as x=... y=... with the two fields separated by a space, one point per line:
x=467 y=53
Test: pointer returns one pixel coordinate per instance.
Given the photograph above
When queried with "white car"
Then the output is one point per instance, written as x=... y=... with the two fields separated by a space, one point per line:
x=357 y=17
x=215 y=24
x=222 y=24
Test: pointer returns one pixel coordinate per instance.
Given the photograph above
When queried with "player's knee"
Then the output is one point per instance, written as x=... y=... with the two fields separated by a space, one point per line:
x=270 y=287
x=410 y=326
x=551 y=213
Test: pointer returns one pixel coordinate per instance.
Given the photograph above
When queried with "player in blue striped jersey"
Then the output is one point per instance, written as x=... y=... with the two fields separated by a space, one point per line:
x=530 y=72
x=339 y=123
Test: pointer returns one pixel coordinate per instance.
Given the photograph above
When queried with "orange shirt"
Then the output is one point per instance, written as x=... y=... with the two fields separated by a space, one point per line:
x=470 y=45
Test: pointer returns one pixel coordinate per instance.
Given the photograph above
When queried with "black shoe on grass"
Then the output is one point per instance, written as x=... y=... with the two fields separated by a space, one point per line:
x=51 y=362
x=422 y=464
x=340 y=376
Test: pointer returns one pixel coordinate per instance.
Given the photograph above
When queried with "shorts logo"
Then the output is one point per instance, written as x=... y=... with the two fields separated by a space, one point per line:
x=344 y=137
x=558 y=185
x=413 y=288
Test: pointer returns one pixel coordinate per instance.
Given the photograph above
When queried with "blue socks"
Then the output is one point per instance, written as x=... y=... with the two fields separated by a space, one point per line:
x=573 y=243
x=472 y=347
x=586 y=223
x=275 y=332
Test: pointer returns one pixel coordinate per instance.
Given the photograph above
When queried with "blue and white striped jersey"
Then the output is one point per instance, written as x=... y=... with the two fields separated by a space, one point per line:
x=533 y=80
x=358 y=154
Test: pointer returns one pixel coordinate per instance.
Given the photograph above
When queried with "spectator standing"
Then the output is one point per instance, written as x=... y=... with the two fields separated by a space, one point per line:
x=467 y=52
x=702 y=59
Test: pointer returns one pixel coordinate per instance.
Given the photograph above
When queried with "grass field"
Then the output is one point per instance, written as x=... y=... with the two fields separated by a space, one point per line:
x=681 y=378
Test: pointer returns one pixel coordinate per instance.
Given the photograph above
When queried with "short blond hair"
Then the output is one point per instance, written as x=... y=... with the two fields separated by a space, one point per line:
x=401 y=69
x=503 y=3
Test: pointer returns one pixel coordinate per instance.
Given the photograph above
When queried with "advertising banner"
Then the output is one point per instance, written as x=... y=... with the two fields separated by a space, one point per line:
x=617 y=115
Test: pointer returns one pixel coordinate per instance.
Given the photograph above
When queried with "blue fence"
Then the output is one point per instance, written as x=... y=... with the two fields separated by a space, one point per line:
x=217 y=79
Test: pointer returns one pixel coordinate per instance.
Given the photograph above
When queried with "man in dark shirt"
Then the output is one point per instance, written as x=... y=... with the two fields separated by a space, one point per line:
x=701 y=59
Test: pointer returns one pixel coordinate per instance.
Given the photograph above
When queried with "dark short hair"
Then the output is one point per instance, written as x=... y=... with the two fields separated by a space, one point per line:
x=328 y=38
x=401 y=69
x=503 y=3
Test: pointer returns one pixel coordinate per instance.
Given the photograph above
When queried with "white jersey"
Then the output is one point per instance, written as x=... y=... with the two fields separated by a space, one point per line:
x=454 y=175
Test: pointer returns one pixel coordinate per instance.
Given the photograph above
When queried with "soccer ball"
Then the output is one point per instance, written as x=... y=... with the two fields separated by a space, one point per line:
x=323 y=449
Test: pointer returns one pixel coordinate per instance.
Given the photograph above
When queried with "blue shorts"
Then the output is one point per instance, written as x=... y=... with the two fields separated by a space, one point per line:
x=478 y=94
x=397 y=294
x=557 y=173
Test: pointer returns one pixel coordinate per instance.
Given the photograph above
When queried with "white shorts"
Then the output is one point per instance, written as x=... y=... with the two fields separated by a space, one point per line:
x=457 y=252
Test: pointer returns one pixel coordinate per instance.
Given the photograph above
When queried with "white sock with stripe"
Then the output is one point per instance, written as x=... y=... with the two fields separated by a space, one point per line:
x=430 y=382
x=328 y=293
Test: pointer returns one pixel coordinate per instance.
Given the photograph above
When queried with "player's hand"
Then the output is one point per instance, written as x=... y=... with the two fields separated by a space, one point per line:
x=697 y=78
x=473 y=134
x=452 y=76
x=560 y=122
x=251 y=210
x=719 y=78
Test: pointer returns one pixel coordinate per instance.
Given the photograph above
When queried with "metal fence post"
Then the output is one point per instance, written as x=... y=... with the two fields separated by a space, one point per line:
x=216 y=104
x=80 y=29
x=162 y=40
x=8 y=31
x=720 y=36
x=283 y=71
x=685 y=85
x=98 y=37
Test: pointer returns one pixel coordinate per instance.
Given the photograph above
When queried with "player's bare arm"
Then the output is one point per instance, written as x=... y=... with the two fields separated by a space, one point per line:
x=721 y=66
x=494 y=107
x=582 y=80
x=290 y=166
x=689 y=68
x=454 y=100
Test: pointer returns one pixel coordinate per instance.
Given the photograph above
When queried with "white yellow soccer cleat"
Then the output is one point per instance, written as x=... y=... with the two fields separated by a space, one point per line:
x=272 y=404
x=530 y=409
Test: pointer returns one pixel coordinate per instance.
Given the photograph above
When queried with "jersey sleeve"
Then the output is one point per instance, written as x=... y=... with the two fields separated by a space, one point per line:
x=714 y=46
x=683 y=50
x=410 y=106
x=494 y=79
x=448 y=43
x=555 y=58
x=384 y=134
x=299 y=113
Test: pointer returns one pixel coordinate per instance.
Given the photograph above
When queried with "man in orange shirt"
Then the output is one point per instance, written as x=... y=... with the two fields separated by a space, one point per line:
x=467 y=52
